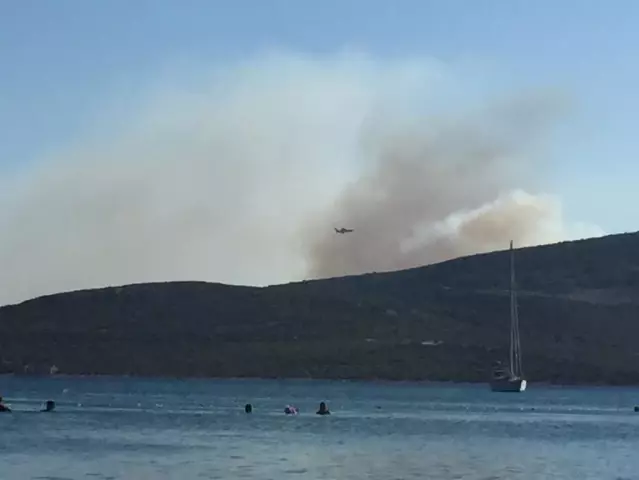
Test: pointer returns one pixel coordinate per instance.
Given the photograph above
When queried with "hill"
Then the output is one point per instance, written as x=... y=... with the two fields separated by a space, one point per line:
x=579 y=312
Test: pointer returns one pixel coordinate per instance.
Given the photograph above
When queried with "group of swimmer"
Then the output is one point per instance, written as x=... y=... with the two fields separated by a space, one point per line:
x=291 y=410
x=49 y=406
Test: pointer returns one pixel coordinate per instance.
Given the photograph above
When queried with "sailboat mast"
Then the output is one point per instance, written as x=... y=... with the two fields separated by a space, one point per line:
x=515 y=347
x=512 y=311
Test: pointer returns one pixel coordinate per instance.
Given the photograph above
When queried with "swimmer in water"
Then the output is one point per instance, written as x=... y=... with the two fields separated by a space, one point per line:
x=3 y=407
x=49 y=406
x=248 y=408
x=290 y=410
x=323 y=409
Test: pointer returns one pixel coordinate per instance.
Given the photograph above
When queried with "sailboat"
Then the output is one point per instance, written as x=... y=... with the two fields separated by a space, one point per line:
x=511 y=379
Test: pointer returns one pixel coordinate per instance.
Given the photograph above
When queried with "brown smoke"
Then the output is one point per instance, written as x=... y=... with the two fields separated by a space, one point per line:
x=438 y=190
x=241 y=177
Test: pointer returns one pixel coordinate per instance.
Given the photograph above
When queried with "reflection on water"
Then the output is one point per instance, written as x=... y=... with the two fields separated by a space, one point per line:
x=168 y=429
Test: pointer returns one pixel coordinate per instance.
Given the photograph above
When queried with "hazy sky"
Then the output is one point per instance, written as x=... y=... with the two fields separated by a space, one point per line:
x=71 y=68
x=62 y=59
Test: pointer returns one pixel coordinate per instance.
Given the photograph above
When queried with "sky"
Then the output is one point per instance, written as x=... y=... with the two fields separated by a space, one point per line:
x=72 y=70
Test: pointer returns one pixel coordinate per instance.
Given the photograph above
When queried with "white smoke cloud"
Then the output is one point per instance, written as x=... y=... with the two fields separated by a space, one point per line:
x=236 y=179
x=533 y=219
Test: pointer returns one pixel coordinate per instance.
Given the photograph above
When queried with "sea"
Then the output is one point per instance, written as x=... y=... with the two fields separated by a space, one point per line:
x=107 y=428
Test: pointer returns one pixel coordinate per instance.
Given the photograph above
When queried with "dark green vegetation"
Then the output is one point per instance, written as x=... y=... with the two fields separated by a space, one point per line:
x=579 y=315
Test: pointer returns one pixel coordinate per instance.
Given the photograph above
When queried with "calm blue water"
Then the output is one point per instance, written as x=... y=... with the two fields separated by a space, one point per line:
x=196 y=429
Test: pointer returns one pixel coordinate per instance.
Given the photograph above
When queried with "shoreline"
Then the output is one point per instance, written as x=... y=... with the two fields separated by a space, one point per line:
x=374 y=381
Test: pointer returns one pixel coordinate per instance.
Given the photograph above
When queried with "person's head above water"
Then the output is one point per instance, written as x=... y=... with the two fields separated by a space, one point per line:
x=49 y=406
x=248 y=408
x=323 y=409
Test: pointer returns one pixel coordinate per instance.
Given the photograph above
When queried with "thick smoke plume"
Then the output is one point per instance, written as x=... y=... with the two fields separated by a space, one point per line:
x=241 y=176
x=434 y=190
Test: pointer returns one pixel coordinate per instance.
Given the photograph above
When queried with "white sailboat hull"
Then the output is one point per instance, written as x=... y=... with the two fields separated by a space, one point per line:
x=508 y=385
